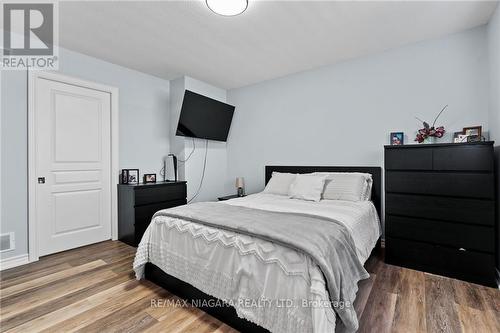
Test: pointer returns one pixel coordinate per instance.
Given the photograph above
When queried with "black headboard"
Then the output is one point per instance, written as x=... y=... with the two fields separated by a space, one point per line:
x=376 y=173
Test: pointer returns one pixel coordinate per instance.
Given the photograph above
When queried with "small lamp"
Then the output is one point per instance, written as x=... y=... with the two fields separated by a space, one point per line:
x=240 y=185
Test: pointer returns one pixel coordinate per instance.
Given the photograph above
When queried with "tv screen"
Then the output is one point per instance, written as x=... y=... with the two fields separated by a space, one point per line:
x=203 y=117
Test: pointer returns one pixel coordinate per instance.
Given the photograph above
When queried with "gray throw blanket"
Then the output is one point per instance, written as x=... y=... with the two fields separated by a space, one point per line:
x=326 y=241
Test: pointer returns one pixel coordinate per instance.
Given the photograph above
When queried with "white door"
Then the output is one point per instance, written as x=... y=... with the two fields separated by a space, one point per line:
x=73 y=165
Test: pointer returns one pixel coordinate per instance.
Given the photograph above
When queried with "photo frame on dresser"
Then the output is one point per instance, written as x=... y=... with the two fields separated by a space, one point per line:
x=149 y=178
x=130 y=176
x=397 y=138
x=459 y=137
x=473 y=134
x=473 y=131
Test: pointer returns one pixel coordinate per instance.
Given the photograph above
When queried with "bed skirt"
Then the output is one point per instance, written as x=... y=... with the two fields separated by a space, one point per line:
x=226 y=314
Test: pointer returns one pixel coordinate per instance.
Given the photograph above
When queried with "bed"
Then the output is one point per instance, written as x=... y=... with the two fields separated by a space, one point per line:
x=265 y=284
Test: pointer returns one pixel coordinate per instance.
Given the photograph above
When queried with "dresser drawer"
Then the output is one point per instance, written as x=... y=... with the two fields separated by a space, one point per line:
x=143 y=214
x=471 y=211
x=472 y=158
x=137 y=203
x=154 y=194
x=469 y=237
x=470 y=185
x=469 y=265
x=408 y=158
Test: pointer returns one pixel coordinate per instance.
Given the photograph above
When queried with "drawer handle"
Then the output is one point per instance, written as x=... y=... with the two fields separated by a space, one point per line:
x=462 y=249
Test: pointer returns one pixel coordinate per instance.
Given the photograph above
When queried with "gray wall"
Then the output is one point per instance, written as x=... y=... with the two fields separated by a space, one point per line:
x=343 y=114
x=14 y=204
x=144 y=130
x=494 y=57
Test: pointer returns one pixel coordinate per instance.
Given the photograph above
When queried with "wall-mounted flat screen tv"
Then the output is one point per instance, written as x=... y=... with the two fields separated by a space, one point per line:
x=203 y=117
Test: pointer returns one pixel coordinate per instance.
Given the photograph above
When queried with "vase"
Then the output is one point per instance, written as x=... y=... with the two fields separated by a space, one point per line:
x=430 y=140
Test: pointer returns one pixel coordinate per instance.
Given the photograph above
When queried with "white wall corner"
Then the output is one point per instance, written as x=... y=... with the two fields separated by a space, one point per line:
x=191 y=171
x=206 y=89
x=177 y=88
x=494 y=72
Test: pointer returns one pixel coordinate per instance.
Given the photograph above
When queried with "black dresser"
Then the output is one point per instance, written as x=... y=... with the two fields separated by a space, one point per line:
x=440 y=207
x=138 y=203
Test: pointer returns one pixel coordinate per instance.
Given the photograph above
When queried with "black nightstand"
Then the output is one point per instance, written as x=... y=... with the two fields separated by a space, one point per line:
x=138 y=203
x=234 y=196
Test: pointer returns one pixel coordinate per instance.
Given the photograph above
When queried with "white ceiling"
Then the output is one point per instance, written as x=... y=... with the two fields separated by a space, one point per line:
x=271 y=39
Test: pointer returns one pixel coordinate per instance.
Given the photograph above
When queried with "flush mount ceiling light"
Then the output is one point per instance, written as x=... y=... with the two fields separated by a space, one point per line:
x=227 y=7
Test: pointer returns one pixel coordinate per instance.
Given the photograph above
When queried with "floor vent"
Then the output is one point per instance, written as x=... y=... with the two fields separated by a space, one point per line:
x=7 y=242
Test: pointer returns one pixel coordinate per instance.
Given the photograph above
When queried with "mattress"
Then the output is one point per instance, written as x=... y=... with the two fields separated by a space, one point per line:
x=271 y=285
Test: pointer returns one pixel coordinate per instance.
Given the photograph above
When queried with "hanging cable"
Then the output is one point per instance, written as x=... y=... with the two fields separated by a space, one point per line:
x=202 y=175
x=162 y=171
x=190 y=154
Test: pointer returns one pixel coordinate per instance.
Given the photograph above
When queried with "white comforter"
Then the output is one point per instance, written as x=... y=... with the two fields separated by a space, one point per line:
x=267 y=283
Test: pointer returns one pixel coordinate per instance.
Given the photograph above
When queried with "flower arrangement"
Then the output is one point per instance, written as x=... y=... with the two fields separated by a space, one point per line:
x=430 y=131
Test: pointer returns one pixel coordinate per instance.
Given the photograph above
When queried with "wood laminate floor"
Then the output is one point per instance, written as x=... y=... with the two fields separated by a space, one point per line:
x=93 y=289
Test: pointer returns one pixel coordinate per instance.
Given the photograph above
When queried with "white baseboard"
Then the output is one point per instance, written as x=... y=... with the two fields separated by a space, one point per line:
x=15 y=261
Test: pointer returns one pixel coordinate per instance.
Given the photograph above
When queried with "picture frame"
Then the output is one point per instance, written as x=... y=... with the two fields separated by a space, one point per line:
x=397 y=138
x=130 y=176
x=459 y=137
x=133 y=176
x=462 y=138
x=473 y=131
x=149 y=178
x=124 y=176
x=473 y=138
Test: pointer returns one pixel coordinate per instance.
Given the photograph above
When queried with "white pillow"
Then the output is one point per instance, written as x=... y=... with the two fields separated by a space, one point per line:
x=349 y=186
x=280 y=183
x=368 y=191
x=308 y=187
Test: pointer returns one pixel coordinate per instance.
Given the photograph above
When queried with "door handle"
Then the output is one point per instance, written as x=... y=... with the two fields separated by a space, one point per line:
x=41 y=180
